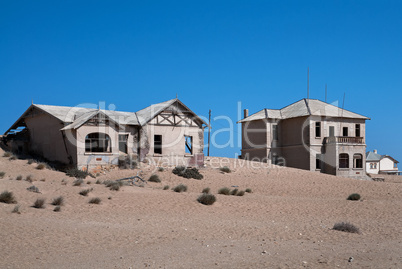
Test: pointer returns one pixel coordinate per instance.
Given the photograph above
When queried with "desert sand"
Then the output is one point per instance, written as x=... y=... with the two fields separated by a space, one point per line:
x=286 y=222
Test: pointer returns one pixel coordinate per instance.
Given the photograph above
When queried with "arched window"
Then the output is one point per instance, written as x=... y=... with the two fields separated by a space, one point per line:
x=357 y=161
x=343 y=160
x=98 y=142
x=371 y=166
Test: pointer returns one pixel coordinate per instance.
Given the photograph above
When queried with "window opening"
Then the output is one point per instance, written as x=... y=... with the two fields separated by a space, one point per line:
x=158 y=144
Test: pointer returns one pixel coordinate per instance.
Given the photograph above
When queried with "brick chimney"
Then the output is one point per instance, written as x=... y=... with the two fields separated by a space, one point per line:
x=245 y=113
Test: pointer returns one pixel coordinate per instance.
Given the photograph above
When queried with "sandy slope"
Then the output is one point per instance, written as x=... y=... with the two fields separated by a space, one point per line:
x=285 y=223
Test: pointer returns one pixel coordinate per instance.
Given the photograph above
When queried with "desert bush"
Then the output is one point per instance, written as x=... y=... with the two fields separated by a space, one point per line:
x=63 y=181
x=206 y=199
x=154 y=178
x=346 y=227
x=78 y=182
x=98 y=181
x=161 y=169
x=29 y=178
x=248 y=190
x=166 y=187
x=33 y=189
x=41 y=166
x=234 y=191
x=19 y=177
x=59 y=201
x=31 y=161
x=180 y=188
x=7 y=154
x=240 y=193
x=187 y=172
x=95 y=200
x=77 y=173
x=225 y=169
x=85 y=192
x=206 y=190
x=16 y=209
x=12 y=158
x=7 y=197
x=108 y=183
x=39 y=203
x=354 y=197
x=115 y=186
x=224 y=191
x=2 y=174
x=57 y=208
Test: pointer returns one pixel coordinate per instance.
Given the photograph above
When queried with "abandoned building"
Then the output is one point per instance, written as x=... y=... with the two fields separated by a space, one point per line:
x=309 y=134
x=381 y=164
x=167 y=133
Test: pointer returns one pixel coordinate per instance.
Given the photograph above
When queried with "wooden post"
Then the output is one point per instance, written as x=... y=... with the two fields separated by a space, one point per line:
x=209 y=131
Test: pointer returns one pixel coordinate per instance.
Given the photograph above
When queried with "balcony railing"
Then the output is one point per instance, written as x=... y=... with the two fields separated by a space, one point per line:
x=344 y=140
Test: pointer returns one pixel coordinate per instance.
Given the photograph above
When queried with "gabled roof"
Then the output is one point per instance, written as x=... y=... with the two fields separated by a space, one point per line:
x=74 y=117
x=375 y=157
x=305 y=107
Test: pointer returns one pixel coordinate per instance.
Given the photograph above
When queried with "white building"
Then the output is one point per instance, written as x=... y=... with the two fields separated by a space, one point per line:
x=380 y=164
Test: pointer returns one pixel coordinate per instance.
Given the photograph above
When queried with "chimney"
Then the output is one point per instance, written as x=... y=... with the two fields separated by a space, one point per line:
x=375 y=151
x=245 y=113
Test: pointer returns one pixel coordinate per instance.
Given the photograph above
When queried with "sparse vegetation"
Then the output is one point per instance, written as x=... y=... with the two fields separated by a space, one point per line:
x=346 y=227
x=59 y=201
x=19 y=177
x=33 y=189
x=225 y=169
x=187 y=172
x=85 y=192
x=31 y=161
x=248 y=190
x=7 y=154
x=2 y=174
x=154 y=178
x=240 y=193
x=224 y=191
x=166 y=187
x=12 y=158
x=57 y=208
x=98 y=181
x=29 y=178
x=95 y=200
x=161 y=169
x=354 y=197
x=16 y=209
x=41 y=166
x=234 y=191
x=115 y=186
x=78 y=182
x=77 y=173
x=180 y=188
x=39 y=203
x=206 y=199
x=7 y=197
x=206 y=190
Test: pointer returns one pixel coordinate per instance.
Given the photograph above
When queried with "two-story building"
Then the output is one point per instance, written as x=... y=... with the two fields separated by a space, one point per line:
x=309 y=134
x=381 y=164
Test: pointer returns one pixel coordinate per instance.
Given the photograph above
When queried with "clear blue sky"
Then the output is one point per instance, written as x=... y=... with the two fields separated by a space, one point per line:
x=213 y=54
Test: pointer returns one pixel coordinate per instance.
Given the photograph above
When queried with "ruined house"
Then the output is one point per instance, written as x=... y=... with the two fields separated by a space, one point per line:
x=168 y=133
x=309 y=134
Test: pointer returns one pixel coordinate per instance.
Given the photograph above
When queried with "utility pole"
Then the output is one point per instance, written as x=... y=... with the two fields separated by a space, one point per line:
x=209 y=131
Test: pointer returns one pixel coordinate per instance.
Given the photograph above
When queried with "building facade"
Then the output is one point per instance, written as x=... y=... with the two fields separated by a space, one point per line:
x=309 y=134
x=167 y=133
x=381 y=164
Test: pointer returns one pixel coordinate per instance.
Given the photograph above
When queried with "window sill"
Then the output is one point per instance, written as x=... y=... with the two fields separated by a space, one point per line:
x=357 y=169
x=188 y=155
x=98 y=153
x=343 y=169
x=157 y=155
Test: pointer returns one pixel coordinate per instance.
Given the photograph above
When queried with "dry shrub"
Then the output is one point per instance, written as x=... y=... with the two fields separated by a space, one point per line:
x=115 y=186
x=248 y=190
x=161 y=169
x=57 y=209
x=224 y=191
x=206 y=199
x=19 y=177
x=166 y=187
x=240 y=193
x=187 y=172
x=33 y=189
x=7 y=197
x=95 y=200
x=154 y=178
x=78 y=182
x=234 y=191
x=29 y=178
x=77 y=173
x=7 y=154
x=85 y=192
x=225 y=169
x=206 y=190
x=346 y=227
x=16 y=209
x=41 y=166
x=39 y=203
x=354 y=197
x=59 y=201
x=2 y=174
x=180 y=188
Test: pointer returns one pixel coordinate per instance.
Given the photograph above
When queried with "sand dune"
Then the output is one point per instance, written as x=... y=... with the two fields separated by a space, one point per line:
x=285 y=223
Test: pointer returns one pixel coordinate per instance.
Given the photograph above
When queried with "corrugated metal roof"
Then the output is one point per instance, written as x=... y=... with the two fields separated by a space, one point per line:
x=305 y=107
x=374 y=157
